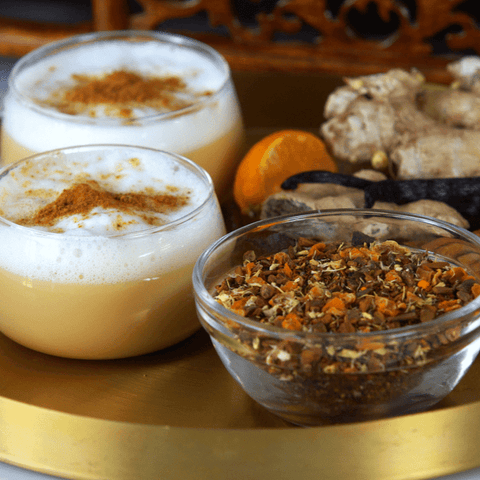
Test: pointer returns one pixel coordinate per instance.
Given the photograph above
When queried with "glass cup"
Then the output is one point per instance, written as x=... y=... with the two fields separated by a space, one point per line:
x=80 y=91
x=102 y=280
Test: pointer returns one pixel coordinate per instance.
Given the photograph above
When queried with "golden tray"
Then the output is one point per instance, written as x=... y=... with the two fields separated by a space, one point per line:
x=178 y=414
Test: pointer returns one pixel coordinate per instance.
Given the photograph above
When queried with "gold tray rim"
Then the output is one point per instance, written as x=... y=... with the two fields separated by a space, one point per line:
x=408 y=447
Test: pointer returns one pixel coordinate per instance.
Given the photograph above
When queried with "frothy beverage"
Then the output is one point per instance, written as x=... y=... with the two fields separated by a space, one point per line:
x=137 y=88
x=98 y=246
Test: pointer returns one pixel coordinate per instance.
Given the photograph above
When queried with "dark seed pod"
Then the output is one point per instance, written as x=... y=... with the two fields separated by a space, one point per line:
x=321 y=176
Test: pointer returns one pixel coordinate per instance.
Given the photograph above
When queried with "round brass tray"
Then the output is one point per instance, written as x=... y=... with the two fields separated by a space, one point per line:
x=178 y=414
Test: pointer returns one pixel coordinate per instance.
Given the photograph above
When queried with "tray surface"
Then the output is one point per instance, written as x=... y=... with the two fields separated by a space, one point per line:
x=184 y=386
x=159 y=414
x=183 y=400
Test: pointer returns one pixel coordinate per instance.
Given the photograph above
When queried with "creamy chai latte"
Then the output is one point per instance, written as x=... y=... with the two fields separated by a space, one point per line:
x=98 y=245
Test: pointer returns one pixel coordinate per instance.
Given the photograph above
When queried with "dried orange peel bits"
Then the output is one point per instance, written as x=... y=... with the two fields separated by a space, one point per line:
x=274 y=159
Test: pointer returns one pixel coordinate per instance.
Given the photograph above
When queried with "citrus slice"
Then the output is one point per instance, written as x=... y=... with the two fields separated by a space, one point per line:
x=274 y=159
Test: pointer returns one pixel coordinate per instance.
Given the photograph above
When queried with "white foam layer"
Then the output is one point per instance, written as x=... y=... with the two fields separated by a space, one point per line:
x=41 y=129
x=148 y=58
x=92 y=253
x=115 y=170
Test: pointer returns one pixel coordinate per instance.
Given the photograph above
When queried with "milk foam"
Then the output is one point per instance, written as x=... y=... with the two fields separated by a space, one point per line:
x=41 y=129
x=148 y=58
x=94 y=253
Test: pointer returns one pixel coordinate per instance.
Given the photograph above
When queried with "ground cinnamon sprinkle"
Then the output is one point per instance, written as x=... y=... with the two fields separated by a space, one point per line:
x=122 y=87
x=82 y=198
x=122 y=91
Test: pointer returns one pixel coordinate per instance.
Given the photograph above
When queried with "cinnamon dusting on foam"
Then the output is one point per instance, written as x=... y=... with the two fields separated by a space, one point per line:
x=121 y=92
x=80 y=199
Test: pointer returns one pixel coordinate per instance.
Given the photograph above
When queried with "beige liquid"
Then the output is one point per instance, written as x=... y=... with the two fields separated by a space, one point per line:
x=98 y=321
x=219 y=158
x=11 y=151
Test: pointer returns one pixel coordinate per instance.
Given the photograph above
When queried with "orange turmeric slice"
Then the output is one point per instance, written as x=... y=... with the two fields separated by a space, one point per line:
x=274 y=159
x=386 y=306
x=335 y=306
x=292 y=322
x=423 y=284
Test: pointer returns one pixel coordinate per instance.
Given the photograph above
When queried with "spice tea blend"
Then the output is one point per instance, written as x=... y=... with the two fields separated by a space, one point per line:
x=317 y=287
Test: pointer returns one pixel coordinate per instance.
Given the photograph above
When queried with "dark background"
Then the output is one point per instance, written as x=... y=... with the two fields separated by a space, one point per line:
x=367 y=24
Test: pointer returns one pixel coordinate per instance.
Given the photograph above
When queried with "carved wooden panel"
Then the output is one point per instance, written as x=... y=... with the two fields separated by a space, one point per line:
x=336 y=36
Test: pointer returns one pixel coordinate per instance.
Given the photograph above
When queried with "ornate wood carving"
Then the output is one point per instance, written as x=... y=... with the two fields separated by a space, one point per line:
x=336 y=36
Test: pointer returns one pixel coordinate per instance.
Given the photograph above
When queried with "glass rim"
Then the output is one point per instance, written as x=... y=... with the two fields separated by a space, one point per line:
x=199 y=172
x=440 y=322
x=76 y=41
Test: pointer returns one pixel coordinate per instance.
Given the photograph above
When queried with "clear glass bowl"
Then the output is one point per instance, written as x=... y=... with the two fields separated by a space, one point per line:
x=403 y=370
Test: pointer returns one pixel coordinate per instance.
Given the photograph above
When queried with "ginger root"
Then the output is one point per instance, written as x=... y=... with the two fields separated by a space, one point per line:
x=384 y=113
